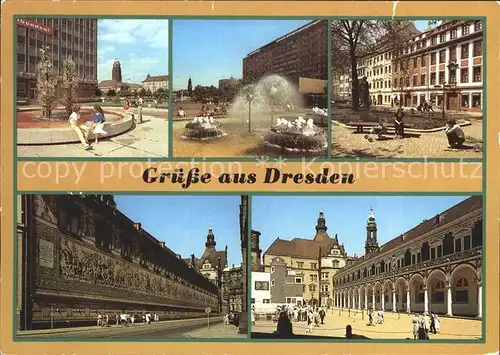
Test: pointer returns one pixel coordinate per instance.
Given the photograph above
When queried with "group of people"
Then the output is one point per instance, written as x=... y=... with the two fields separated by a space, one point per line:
x=425 y=107
x=102 y=320
x=83 y=131
x=126 y=319
x=425 y=324
x=127 y=109
x=314 y=316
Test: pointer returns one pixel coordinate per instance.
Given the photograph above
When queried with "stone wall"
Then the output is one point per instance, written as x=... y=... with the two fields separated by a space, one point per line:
x=76 y=279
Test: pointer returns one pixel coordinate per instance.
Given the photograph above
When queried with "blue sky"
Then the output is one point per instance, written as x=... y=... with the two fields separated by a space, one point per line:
x=141 y=46
x=182 y=222
x=209 y=50
x=289 y=217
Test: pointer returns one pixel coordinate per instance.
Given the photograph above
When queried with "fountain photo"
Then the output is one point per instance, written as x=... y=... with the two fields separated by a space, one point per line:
x=91 y=88
x=407 y=88
x=131 y=267
x=245 y=88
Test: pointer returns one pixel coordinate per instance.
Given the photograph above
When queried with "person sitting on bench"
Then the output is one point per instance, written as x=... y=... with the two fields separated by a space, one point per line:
x=380 y=129
x=399 y=124
x=181 y=113
x=455 y=134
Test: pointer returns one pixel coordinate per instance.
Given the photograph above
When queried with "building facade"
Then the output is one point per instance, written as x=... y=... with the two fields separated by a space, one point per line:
x=434 y=267
x=79 y=255
x=153 y=83
x=449 y=55
x=261 y=287
x=75 y=38
x=232 y=289
x=301 y=53
x=226 y=84
x=314 y=261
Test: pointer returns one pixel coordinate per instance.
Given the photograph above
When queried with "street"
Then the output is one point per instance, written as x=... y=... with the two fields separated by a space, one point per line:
x=185 y=328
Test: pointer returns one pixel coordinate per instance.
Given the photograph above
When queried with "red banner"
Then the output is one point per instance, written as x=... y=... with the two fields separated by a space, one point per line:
x=31 y=24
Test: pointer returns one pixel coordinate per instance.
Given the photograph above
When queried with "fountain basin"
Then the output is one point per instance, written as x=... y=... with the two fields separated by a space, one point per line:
x=318 y=119
x=34 y=131
x=310 y=139
x=204 y=131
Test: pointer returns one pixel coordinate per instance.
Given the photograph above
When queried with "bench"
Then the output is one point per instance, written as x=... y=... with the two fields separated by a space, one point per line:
x=361 y=125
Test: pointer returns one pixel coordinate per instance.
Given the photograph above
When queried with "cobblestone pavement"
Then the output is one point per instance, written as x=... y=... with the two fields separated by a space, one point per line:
x=146 y=140
x=395 y=327
x=216 y=331
x=347 y=143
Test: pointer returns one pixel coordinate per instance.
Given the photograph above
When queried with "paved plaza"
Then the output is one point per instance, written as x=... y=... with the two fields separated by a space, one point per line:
x=347 y=143
x=146 y=140
x=395 y=326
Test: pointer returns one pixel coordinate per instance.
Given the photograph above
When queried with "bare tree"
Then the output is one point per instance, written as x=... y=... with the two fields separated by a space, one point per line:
x=46 y=85
x=69 y=84
x=352 y=39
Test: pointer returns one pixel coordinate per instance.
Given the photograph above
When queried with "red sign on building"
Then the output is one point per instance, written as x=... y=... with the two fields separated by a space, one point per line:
x=32 y=24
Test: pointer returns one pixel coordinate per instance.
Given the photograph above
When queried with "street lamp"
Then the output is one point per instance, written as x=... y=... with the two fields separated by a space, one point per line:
x=452 y=67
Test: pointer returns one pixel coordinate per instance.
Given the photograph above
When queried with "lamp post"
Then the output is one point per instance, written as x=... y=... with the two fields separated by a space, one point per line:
x=452 y=66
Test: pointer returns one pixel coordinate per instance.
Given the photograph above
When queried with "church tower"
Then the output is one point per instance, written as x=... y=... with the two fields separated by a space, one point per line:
x=190 y=85
x=371 y=243
x=210 y=243
x=321 y=235
x=116 y=74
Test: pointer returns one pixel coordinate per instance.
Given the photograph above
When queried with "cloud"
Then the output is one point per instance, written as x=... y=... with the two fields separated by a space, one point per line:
x=151 y=32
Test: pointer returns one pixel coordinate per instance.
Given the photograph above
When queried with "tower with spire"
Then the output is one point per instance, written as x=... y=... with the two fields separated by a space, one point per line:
x=321 y=234
x=190 y=85
x=371 y=244
x=210 y=243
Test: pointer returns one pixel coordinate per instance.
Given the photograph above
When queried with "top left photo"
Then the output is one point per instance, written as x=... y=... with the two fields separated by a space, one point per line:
x=91 y=87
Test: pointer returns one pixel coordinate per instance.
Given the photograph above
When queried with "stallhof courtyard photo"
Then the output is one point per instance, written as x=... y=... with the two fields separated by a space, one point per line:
x=233 y=97
x=90 y=87
x=407 y=89
x=361 y=267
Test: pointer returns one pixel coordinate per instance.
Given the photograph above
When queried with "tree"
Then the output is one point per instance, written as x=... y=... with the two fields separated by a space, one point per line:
x=111 y=93
x=351 y=39
x=142 y=92
x=97 y=92
x=46 y=85
x=70 y=84
x=161 y=94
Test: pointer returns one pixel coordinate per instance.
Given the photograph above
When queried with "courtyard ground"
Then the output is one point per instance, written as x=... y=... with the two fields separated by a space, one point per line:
x=395 y=326
x=146 y=140
x=347 y=143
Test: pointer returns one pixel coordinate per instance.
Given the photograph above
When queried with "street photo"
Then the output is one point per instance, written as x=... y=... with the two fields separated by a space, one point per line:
x=91 y=88
x=362 y=267
x=407 y=89
x=131 y=267
x=250 y=88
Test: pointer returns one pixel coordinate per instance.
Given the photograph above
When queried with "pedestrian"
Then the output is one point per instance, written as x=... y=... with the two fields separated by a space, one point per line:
x=123 y=319
x=132 y=319
x=99 y=319
x=98 y=125
x=316 y=317
x=322 y=315
x=427 y=324
x=432 y=328
x=398 y=123
x=455 y=134
x=437 y=323
x=253 y=316
x=416 y=325
x=139 y=109
x=370 y=318
x=117 y=319
x=310 y=317
x=73 y=124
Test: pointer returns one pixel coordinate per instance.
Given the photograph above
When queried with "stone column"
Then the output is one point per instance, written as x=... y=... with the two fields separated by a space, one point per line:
x=426 y=300
x=373 y=299
x=359 y=300
x=480 y=299
x=394 y=300
x=449 y=309
x=408 y=308
x=366 y=299
x=348 y=301
x=353 y=300
x=382 y=300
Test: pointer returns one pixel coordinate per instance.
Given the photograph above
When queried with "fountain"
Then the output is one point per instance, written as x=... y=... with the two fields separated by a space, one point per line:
x=298 y=136
x=204 y=128
x=319 y=116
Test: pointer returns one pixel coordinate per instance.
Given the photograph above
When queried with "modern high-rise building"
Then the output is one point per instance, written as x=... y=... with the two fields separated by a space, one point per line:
x=300 y=56
x=66 y=37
